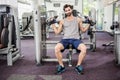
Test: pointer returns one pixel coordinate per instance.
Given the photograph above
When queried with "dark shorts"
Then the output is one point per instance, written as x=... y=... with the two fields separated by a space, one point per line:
x=75 y=43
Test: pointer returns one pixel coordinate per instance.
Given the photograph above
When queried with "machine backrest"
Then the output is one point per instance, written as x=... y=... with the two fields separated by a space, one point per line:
x=4 y=31
x=5 y=25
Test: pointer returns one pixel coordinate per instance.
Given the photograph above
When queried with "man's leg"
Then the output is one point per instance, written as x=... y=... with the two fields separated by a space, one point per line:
x=82 y=54
x=58 y=53
x=60 y=67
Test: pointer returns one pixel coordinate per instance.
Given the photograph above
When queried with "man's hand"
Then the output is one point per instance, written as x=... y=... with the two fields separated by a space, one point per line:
x=51 y=21
x=53 y=26
x=89 y=20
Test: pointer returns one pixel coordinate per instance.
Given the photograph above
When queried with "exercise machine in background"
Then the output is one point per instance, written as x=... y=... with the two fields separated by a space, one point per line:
x=27 y=29
x=117 y=40
x=8 y=36
x=114 y=27
x=116 y=35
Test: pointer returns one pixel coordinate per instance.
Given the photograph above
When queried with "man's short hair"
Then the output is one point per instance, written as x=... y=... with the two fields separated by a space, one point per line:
x=67 y=5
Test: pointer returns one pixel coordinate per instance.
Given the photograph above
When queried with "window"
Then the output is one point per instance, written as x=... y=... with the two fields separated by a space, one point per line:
x=56 y=4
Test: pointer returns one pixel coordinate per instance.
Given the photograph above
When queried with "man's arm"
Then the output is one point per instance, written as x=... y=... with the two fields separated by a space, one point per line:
x=83 y=29
x=58 y=29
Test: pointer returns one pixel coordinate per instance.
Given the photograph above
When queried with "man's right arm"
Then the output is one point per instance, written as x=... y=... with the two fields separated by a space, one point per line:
x=58 y=29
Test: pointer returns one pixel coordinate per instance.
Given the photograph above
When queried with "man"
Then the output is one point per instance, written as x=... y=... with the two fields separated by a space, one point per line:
x=70 y=26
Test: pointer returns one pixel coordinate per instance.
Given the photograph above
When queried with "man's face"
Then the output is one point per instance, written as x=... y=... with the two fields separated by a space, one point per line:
x=68 y=11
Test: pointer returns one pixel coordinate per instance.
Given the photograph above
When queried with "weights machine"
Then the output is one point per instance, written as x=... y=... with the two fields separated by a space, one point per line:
x=8 y=36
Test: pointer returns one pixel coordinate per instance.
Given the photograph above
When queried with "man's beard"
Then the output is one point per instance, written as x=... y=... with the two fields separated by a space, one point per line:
x=69 y=14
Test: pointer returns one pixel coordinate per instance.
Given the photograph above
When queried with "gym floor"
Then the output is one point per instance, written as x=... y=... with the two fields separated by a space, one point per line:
x=98 y=65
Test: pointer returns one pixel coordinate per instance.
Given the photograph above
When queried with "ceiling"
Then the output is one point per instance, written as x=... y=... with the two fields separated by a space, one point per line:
x=24 y=1
x=105 y=2
x=29 y=1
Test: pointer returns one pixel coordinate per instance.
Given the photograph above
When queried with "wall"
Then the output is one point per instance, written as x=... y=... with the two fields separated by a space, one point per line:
x=23 y=8
x=49 y=6
x=108 y=18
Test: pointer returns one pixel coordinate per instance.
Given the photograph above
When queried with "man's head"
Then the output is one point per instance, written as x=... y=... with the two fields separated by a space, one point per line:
x=68 y=9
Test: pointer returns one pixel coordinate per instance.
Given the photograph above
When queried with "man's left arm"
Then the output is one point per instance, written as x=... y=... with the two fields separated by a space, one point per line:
x=80 y=23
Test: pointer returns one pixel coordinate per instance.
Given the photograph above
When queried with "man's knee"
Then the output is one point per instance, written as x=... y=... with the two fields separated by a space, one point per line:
x=58 y=48
x=82 y=48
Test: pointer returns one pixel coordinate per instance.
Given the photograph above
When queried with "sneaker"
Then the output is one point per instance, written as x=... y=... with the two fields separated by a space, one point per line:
x=79 y=69
x=60 y=69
